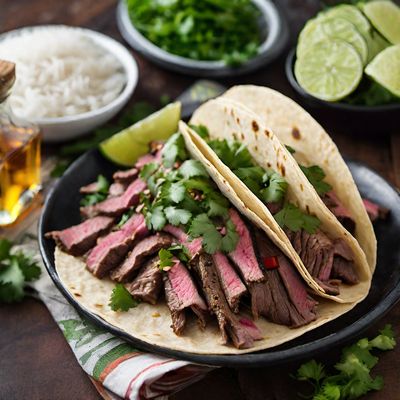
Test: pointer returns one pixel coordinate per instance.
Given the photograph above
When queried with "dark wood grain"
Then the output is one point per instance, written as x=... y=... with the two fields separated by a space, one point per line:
x=35 y=360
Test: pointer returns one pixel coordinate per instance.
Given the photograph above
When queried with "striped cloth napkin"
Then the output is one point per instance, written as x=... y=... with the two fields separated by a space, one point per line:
x=117 y=369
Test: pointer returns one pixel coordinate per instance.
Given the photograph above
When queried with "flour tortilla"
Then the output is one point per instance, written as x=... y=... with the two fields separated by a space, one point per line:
x=295 y=127
x=229 y=120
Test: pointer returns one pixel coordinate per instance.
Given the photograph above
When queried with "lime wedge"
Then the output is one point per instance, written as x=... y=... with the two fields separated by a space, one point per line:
x=385 y=17
x=330 y=70
x=376 y=43
x=335 y=28
x=384 y=69
x=127 y=146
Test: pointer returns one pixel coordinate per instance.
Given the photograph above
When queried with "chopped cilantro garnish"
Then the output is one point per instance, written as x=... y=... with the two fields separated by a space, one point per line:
x=230 y=239
x=353 y=379
x=174 y=150
x=192 y=168
x=148 y=170
x=15 y=269
x=155 y=218
x=232 y=153
x=177 y=216
x=294 y=219
x=125 y=217
x=316 y=176
x=166 y=258
x=201 y=130
x=290 y=149
x=102 y=186
x=121 y=299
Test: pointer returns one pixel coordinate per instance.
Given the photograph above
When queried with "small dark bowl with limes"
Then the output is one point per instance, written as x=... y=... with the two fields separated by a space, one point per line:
x=372 y=120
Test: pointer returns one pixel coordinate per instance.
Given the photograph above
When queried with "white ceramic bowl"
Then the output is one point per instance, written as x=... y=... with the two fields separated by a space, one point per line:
x=60 y=129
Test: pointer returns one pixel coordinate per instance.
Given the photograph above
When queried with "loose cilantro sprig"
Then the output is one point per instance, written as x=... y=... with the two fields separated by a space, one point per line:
x=121 y=299
x=316 y=176
x=354 y=370
x=167 y=256
x=100 y=194
x=293 y=218
x=15 y=269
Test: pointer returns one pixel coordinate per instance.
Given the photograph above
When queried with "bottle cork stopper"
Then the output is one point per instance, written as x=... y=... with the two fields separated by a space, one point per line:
x=7 y=77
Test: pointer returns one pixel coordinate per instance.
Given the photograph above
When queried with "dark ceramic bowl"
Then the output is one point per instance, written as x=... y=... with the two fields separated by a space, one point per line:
x=273 y=27
x=62 y=210
x=349 y=118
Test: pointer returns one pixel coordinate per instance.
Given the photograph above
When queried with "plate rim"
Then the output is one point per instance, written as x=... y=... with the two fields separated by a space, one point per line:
x=261 y=358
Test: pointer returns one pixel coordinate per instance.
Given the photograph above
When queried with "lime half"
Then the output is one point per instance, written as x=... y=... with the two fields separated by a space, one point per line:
x=127 y=146
x=330 y=70
x=376 y=43
x=385 y=16
x=385 y=69
x=335 y=28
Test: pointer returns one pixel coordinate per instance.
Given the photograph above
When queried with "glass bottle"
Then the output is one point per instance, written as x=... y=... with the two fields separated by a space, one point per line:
x=19 y=154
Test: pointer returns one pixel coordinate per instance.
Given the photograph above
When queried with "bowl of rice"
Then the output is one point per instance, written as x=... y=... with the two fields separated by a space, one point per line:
x=69 y=80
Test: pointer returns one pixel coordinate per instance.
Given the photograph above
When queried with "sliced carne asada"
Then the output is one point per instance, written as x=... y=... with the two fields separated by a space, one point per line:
x=244 y=256
x=375 y=211
x=228 y=322
x=148 y=284
x=78 y=239
x=111 y=249
x=90 y=188
x=126 y=176
x=181 y=293
x=148 y=158
x=114 y=206
x=194 y=246
x=325 y=259
x=142 y=249
x=339 y=211
x=283 y=297
x=231 y=283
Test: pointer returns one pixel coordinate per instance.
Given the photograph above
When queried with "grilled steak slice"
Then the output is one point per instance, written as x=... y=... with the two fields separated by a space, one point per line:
x=111 y=249
x=146 y=247
x=114 y=206
x=375 y=211
x=148 y=158
x=194 y=246
x=89 y=189
x=324 y=258
x=231 y=284
x=147 y=285
x=339 y=211
x=181 y=293
x=244 y=256
x=78 y=239
x=229 y=324
x=116 y=189
x=126 y=176
x=283 y=297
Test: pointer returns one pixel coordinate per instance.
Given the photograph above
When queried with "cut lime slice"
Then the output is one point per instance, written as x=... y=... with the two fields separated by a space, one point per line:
x=335 y=28
x=127 y=146
x=385 y=67
x=330 y=70
x=385 y=17
x=376 y=43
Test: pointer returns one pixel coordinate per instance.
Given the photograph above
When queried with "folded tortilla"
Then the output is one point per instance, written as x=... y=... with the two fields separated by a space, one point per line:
x=151 y=323
x=226 y=119
x=295 y=127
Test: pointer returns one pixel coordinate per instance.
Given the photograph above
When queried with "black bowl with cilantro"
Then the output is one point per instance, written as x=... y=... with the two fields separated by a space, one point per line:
x=369 y=111
x=210 y=38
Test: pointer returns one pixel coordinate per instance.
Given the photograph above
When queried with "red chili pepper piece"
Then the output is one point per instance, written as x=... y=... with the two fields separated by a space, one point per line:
x=271 y=262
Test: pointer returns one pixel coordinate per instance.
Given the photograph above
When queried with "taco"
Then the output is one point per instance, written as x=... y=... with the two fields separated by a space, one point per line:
x=170 y=254
x=264 y=174
x=317 y=154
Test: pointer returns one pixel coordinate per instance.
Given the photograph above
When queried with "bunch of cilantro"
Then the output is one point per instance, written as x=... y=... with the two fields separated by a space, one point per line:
x=225 y=30
x=353 y=378
x=268 y=185
x=16 y=268
x=182 y=193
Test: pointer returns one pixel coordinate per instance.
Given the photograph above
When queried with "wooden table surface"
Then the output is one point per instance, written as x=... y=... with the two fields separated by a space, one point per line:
x=35 y=360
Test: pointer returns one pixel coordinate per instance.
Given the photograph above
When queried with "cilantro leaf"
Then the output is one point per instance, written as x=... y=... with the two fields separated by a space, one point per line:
x=232 y=153
x=173 y=150
x=202 y=226
x=5 y=247
x=166 y=259
x=316 y=176
x=102 y=186
x=177 y=216
x=252 y=177
x=311 y=370
x=29 y=268
x=217 y=205
x=230 y=239
x=125 y=217
x=290 y=149
x=121 y=299
x=181 y=251
x=201 y=130
x=384 y=341
x=60 y=168
x=192 y=168
x=274 y=187
x=199 y=183
x=294 y=219
x=174 y=192
x=148 y=170
x=155 y=218
x=11 y=283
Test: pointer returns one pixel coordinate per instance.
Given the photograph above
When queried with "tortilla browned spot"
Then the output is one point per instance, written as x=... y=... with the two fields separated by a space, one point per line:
x=301 y=187
x=255 y=126
x=296 y=133
x=267 y=132
x=307 y=209
x=283 y=171
x=242 y=136
x=238 y=120
x=269 y=165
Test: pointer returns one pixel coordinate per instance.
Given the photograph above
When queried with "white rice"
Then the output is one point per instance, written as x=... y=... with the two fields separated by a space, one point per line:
x=60 y=72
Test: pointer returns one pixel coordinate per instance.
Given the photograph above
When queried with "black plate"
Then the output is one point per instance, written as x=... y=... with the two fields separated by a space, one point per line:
x=61 y=210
